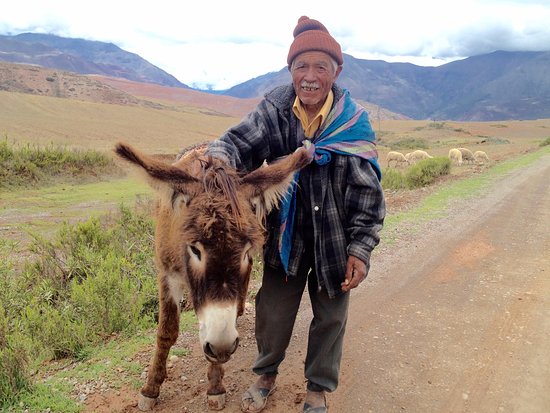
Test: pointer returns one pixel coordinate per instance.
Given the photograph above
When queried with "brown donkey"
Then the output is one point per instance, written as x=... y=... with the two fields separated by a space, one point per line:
x=209 y=223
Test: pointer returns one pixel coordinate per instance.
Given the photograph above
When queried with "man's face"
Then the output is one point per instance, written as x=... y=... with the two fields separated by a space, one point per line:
x=313 y=74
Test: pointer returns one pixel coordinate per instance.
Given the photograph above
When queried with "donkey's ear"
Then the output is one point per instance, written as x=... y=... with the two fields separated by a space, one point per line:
x=155 y=169
x=267 y=185
x=169 y=181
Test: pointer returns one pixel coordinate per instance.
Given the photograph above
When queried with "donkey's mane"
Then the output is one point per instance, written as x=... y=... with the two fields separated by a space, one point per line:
x=217 y=178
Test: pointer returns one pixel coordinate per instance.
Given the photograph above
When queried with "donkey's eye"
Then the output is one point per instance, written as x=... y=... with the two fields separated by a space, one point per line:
x=195 y=251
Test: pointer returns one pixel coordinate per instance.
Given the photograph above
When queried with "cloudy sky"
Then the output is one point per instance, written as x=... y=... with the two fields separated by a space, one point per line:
x=220 y=43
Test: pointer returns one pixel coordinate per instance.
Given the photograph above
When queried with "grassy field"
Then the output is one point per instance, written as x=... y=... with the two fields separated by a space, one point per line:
x=41 y=211
x=500 y=140
x=44 y=120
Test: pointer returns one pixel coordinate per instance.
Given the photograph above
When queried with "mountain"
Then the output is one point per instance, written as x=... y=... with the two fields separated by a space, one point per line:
x=81 y=56
x=495 y=86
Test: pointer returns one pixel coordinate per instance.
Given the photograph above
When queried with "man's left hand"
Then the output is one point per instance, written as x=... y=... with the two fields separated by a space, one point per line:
x=356 y=272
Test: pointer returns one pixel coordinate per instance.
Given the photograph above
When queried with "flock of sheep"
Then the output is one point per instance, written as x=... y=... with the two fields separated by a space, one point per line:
x=457 y=155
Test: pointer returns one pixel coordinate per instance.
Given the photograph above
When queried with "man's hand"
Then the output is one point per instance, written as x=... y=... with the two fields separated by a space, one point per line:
x=356 y=272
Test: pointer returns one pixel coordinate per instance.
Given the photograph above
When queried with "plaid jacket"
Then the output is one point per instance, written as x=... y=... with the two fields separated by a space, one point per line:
x=346 y=200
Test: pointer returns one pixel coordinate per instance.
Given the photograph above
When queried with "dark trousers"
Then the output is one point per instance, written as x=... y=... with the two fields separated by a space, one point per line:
x=277 y=304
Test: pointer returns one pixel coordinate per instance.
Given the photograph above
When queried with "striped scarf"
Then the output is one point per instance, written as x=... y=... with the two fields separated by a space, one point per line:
x=345 y=131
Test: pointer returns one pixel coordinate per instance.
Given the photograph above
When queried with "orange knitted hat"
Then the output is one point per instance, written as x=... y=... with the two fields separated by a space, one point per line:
x=312 y=35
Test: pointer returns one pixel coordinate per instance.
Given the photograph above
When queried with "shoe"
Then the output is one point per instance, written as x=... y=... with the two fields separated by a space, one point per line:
x=255 y=398
x=319 y=409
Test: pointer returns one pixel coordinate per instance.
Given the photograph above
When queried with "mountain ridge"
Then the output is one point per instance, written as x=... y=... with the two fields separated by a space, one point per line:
x=496 y=86
x=83 y=57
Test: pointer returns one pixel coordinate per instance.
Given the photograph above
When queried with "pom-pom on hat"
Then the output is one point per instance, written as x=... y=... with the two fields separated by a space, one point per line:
x=312 y=35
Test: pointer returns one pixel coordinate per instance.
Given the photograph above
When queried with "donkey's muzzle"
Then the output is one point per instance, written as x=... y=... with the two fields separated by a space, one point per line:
x=220 y=354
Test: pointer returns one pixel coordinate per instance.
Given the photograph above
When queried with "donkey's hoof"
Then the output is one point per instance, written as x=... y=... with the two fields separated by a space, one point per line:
x=216 y=401
x=146 y=403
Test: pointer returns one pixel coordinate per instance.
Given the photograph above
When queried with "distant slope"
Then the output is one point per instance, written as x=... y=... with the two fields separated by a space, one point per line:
x=222 y=104
x=81 y=56
x=495 y=86
x=55 y=83
x=20 y=78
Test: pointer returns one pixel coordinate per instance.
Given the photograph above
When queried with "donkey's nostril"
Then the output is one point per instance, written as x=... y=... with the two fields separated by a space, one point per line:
x=209 y=351
x=220 y=355
x=234 y=347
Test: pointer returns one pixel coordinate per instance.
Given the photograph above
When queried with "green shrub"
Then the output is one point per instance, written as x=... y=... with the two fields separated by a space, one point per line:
x=55 y=330
x=108 y=300
x=14 y=376
x=393 y=179
x=31 y=165
x=93 y=279
x=545 y=142
x=427 y=171
x=421 y=174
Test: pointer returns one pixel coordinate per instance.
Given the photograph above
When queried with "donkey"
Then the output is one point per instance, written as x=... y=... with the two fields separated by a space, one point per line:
x=209 y=224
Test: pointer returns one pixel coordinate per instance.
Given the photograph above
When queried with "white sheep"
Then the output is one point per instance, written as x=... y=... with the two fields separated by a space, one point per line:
x=467 y=155
x=481 y=157
x=397 y=157
x=455 y=156
x=418 y=155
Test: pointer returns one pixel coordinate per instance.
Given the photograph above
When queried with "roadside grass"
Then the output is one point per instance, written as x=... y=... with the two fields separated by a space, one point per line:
x=421 y=174
x=33 y=165
x=92 y=280
x=113 y=365
x=436 y=204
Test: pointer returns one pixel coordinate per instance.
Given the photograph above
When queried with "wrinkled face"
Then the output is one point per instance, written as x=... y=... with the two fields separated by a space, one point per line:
x=313 y=74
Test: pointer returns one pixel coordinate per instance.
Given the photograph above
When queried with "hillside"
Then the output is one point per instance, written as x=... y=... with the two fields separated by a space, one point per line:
x=495 y=86
x=81 y=56
x=55 y=83
x=96 y=88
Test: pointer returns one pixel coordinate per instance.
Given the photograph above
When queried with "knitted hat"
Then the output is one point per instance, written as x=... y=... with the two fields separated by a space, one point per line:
x=312 y=35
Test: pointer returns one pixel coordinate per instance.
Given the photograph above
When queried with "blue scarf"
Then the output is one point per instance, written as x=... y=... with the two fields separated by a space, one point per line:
x=346 y=131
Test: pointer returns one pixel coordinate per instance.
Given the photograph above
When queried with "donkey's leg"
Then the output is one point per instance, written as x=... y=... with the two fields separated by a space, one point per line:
x=216 y=390
x=167 y=334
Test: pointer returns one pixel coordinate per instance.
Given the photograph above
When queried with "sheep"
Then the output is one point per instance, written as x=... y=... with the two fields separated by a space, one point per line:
x=455 y=156
x=467 y=155
x=398 y=157
x=481 y=157
x=418 y=155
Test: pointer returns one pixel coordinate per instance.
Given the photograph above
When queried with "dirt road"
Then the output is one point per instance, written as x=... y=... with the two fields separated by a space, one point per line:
x=459 y=320
x=453 y=318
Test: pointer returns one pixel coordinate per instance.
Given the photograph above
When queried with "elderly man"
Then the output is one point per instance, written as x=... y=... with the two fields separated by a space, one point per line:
x=327 y=227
